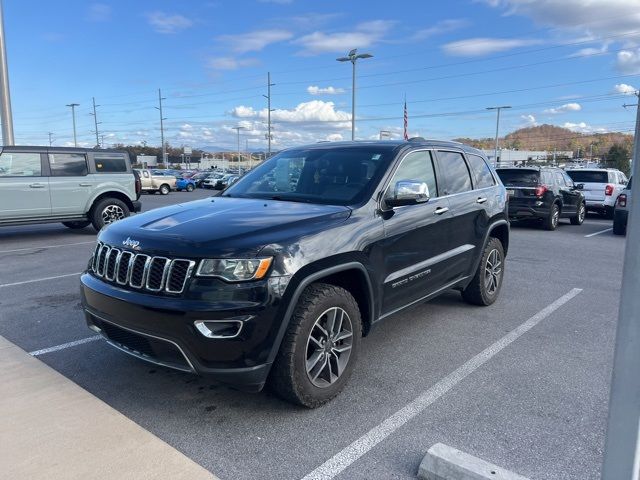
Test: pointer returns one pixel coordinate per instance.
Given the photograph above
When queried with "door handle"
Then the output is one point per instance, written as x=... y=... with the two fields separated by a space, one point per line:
x=481 y=199
x=440 y=210
x=85 y=184
x=37 y=185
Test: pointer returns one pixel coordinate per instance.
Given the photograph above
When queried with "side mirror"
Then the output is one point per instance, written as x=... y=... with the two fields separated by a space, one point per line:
x=408 y=192
x=578 y=186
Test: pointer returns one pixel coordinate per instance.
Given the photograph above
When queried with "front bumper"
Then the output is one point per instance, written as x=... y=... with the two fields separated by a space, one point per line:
x=162 y=330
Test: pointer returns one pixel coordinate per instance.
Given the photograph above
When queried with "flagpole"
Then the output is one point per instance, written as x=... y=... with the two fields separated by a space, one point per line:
x=406 y=118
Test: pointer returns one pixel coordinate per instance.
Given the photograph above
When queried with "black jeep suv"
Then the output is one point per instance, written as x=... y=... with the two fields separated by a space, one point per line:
x=279 y=277
x=543 y=193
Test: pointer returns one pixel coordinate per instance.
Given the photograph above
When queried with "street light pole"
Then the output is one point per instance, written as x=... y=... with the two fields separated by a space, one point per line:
x=50 y=140
x=95 y=120
x=162 y=119
x=352 y=57
x=237 y=129
x=6 y=116
x=73 y=114
x=622 y=445
x=269 y=110
x=495 y=153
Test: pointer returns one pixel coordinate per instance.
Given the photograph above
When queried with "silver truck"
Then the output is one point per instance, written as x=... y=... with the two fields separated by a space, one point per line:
x=75 y=186
x=153 y=182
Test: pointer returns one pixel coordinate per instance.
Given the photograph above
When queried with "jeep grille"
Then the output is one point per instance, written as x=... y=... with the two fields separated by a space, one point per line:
x=140 y=271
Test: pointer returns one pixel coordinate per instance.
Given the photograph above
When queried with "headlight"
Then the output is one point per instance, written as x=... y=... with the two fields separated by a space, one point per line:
x=235 y=270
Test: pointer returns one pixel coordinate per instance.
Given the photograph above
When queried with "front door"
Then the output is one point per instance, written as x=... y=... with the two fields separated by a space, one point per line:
x=415 y=237
x=70 y=184
x=570 y=195
x=24 y=187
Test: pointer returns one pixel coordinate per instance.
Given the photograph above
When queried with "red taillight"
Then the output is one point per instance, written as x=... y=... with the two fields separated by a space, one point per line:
x=540 y=190
x=608 y=190
x=622 y=200
x=138 y=186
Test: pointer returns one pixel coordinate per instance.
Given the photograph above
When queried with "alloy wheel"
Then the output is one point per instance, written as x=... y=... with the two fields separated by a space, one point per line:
x=111 y=213
x=493 y=272
x=329 y=347
x=556 y=217
x=581 y=213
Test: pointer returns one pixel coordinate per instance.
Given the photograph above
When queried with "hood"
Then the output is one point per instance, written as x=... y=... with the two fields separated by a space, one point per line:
x=222 y=226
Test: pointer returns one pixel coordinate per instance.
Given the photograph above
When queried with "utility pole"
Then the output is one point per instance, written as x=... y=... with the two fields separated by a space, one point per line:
x=95 y=120
x=237 y=129
x=73 y=115
x=622 y=446
x=495 y=152
x=162 y=119
x=269 y=110
x=102 y=140
x=50 y=140
x=6 y=116
x=352 y=57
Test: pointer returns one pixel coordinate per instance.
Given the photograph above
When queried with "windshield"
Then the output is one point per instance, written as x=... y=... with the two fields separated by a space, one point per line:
x=588 y=176
x=518 y=176
x=334 y=175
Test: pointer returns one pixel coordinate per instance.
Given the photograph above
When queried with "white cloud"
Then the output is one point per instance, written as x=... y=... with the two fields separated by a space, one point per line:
x=530 y=120
x=315 y=90
x=441 y=27
x=364 y=35
x=583 y=127
x=166 y=23
x=334 y=137
x=628 y=62
x=591 y=51
x=99 y=12
x=230 y=63
x=305 y=112
x=567 y=107
x=475 y=47
x=254 y=41
x=625 y=89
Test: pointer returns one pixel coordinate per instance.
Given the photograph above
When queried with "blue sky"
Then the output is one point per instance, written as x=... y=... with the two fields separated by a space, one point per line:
x=564 y=62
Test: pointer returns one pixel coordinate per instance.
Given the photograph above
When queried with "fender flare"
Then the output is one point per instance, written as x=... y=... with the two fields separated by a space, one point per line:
x=304 y=283
x=487 y=235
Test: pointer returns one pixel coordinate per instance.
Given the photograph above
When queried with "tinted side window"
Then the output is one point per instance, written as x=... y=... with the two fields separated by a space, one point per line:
x=547 y=178
x=417 y=166
x=20 y=165
x=567 y=180
x=559 y=179
x=110 y=163
x=455 y=172
x=68 y=164
x=482 y=177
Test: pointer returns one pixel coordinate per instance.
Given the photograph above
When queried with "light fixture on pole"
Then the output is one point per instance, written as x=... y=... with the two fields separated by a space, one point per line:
x=352 y=57
x=73 y=115
x=495 y=153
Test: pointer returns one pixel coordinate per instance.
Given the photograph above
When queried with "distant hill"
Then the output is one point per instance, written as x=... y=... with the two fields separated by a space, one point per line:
x=214 y=149
x=548 y=137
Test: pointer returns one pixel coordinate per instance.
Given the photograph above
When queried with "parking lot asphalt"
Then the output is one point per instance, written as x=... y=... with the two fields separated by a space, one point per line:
x=537 y=406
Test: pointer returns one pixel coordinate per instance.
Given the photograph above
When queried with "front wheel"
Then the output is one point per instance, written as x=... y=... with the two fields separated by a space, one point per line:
x=487 y=281
x=579 y=218
x=320 y=348
x=108 y=210
x=190 y=187
x=164 y=189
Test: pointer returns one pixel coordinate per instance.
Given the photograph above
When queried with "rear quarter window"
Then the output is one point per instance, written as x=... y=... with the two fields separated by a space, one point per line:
x=582 y=176
x=110 y=164
x=519 y=176
x=480 y=171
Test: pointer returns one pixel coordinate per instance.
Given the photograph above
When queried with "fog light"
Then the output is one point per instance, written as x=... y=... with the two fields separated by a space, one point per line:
x=228 y=328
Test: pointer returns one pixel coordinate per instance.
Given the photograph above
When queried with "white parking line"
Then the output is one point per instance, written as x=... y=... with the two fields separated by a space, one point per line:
x=38 y=280
x=598 y=233
x=45 y=246
x=35 y=353
x=366 y=442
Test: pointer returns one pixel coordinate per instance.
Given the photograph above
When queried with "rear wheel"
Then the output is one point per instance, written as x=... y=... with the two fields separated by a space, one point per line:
x=190 y=187
x=76 y=225
x=619 y=227
x=487 y=281
x=108 y=210
x=320 y=348
x=551 y=221
x=579 y=218
x=164 y=189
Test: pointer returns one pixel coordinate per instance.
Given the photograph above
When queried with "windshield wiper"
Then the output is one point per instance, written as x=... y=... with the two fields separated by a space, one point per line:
x=289 y=199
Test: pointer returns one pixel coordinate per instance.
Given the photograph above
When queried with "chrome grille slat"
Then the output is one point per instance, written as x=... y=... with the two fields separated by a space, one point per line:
x=141 y=271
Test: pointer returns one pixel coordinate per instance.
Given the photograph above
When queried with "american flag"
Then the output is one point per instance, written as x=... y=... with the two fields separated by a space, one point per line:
x=406 y=120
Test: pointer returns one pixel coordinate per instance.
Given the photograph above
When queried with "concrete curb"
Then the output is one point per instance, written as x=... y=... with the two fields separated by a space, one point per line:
x=446 y=463
x=50 y=428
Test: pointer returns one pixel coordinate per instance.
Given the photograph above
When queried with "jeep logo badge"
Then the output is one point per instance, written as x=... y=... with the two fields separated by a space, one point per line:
x=131 y=243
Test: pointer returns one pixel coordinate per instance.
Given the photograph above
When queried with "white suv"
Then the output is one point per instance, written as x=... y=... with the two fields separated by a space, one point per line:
x=621 y=212
x=601 y=187
x=75 y=186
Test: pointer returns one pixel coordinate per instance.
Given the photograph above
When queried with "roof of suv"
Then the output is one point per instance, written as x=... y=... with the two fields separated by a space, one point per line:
x=396 y=144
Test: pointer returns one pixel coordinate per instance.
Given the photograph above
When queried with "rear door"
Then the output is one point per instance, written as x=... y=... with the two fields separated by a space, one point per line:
x=595 y=182
x=467 y=212
x=24 y=186
x=70 y=183
x=570 y=196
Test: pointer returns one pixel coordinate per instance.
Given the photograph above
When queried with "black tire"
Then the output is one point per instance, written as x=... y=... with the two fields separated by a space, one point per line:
x=190 y=187
x=478 y=292
x=289 y=377
x=619 y=227
x=76 y=225
x=107 y=211
x=164 y=189
x=550 y=222
x=608 y=213
x=579 y=218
